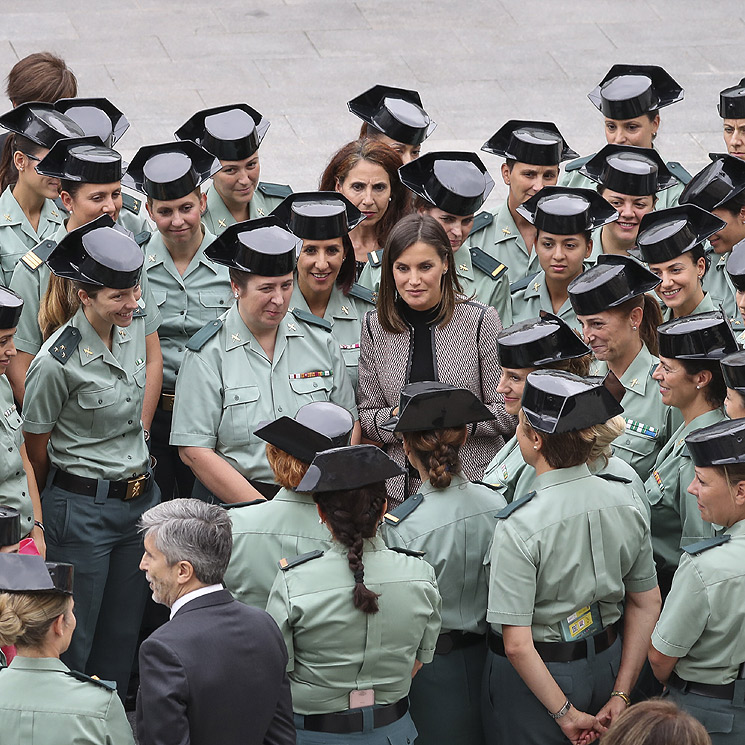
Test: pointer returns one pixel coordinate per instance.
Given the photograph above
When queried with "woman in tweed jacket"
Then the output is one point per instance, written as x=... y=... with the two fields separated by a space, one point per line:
x=425 y=329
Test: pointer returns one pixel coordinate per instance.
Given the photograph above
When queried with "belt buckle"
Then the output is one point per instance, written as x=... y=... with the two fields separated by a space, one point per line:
x=135 y=487
x=167 y=401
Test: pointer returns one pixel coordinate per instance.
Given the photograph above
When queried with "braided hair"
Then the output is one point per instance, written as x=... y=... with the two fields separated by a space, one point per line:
x=438 y=450
x=353 y=515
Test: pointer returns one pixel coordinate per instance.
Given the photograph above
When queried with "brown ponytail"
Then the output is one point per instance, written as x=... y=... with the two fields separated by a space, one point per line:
x=60 y=302
x=651 y=319
x=14 y=142
x=438 y=450
x=352 y=516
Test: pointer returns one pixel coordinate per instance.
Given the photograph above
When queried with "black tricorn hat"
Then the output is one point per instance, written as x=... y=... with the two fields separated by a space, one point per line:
x=733 y=370
x=732 y=102
x=454 y=182
x=396 y=112
x=715 y=184
x=536 y=143
x=736 y=265
x=262 y=246
x=82 y=159
x=556 y=401
x=538 y=341
x=348 y=468
x=170 y=170
x=27 y=573
x=637 y=171
x=612 y=281
x=231 y=132
x=666 y=234
x=431 y=405
x=40 y=122
x=702 y=336
x=97 y=117
x=11 y=306
x=564 y=210
x=99 y=254
x=10 y=526
x=318 y=215
x=628 y=91
x=718 y=444
x=317 y=426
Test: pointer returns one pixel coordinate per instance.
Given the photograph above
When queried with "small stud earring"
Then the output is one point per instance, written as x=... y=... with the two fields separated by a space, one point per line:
x=535 y=447
x=235 y=295
x=634 y=327
x=698 y=387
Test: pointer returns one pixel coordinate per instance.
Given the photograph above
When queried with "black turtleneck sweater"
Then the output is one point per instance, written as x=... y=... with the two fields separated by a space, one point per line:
x=423 y=353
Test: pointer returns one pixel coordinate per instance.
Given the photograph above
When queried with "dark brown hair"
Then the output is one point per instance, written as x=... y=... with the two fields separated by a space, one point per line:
x=288 y=470
x=41 y=76
x=577 y=365
x=352 y=516
x=413 y=229
x=716 y=391
x=14 y=142
x=734 y=205
x=651 y=319
x=565 y=449
x=438 y=450
x=656 y=722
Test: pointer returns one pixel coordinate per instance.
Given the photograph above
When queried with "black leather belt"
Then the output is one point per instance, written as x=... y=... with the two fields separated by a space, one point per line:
x=124 y=490
x=561 y=651
x=710 y=690
x=166 y=400
x=346 y=722
x=450 y=640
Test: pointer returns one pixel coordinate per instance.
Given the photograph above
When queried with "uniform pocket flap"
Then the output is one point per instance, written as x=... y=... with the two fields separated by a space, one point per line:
x=241 y=395
x=635 y=443
x=159 y=297
x=98 y=399
x=310 y=385
x=213 y=299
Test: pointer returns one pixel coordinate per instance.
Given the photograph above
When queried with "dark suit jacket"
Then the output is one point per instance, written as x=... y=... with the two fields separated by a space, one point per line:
x=215 y=675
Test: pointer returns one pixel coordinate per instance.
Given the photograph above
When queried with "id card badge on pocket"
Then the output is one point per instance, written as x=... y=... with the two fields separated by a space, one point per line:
x=360 y=699
x=582 y=623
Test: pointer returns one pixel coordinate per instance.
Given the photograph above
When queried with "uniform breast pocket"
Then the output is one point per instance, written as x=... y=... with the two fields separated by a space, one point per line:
x=211 y=305
x=312 y=389
x=240 y=414
x=98 y=411
x=12 y=418
x=634 y=447
x=139 y=376
x=160 y=298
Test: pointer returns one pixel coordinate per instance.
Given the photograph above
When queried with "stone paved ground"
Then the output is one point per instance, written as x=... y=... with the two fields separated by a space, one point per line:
x=476 y=63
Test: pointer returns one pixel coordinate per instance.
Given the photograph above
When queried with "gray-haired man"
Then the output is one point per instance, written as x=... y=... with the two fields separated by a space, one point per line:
x=215 y=673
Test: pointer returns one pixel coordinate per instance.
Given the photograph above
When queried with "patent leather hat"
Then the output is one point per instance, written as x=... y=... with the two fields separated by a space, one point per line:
x=27 y=573
x=82 y=159
x=348 y=468
x=666 y=234
x=637 y=171
x=231 y=132
x=10 y=526
x=736 y=266
x=262 y=246
x=612 y=281
x=718 y=444
x=455 y=182
x=536 y=143
x=628 y=91
x=733 y=370
x=98 y=254
x=170 y=170
x=318 y=215
x=702 y=336
x=11 y=306
x=317 y=426
x=538 y=341
x=97 y=117
x=732 y=102
x=564 y=210
x=431 y=405
x=715 y=184
x=556 y=401
x=396 y=112
x=41 y=123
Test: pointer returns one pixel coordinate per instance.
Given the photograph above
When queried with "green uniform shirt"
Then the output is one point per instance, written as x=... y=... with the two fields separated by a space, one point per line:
x=335 y=648
x=41 y=703
x=217 y=216
x=16 y=234
x=719 y=287
x=263 y=534
x=454 y=527
x=228 y=387
x=705 y=306
x=676 y=520
x=186 y=303
x=345 y=315
x=92 y=404
x=529 y=302
x=580 y=540
x=133 y=214
x=13 y=484
x=703 y=616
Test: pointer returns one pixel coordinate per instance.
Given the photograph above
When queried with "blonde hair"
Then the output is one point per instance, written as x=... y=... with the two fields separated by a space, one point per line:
x=288 y=470
x=605 y=433
x=59 y=303
x=25 y=618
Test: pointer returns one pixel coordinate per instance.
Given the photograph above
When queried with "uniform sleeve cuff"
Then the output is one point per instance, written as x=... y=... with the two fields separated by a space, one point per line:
x=667 y=648
x=37 y=428
x=198 y=441
x=509 y=619
x=28 y=347
x=641 y=585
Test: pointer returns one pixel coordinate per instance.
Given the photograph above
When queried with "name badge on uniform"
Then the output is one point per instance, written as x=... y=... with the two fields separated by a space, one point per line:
x=647 y=430
x=359 y=699
x=584 y=622
x=312 y=374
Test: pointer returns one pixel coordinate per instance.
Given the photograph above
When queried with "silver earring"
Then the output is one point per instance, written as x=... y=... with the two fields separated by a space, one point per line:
x=698 y=387
x=535 y=447
x=634 y=327
x=235 y=295
x=320 y=521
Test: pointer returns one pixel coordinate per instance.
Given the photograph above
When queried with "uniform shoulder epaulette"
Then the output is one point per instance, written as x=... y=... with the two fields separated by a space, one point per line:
x=516 y=505
x=685 y=452
x=521 y=284
x=139 y=312
x=304 y=315
x=487 y=264
x=375 y=258
x=60 y=205
x=394 y=517
x=613 y=477
x=679 y=172
x=131 y=204
x=204 y=335
x=481 y=220
x=705 y=545
x=34 y=258
x=233 y=505
x=363 y=293
x=274 y=190
x=407 y=551
x=285 y=564
x=109 y=685
x=576 y=164
x=142 y=238
x=67 y=342
x=493 y=487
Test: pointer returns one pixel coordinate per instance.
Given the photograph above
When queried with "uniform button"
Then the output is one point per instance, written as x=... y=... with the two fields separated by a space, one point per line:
x=315 y=385
x=129 y=422
x=119 y=377
x=628 y=442
x=180 y=349
x=128 y=399
x=279 y=408
x=182 y=312
x=129 y=457
x=100 y=400
x=235 y=397
x=10 y=450
x=23 y=494
x=222 y=302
